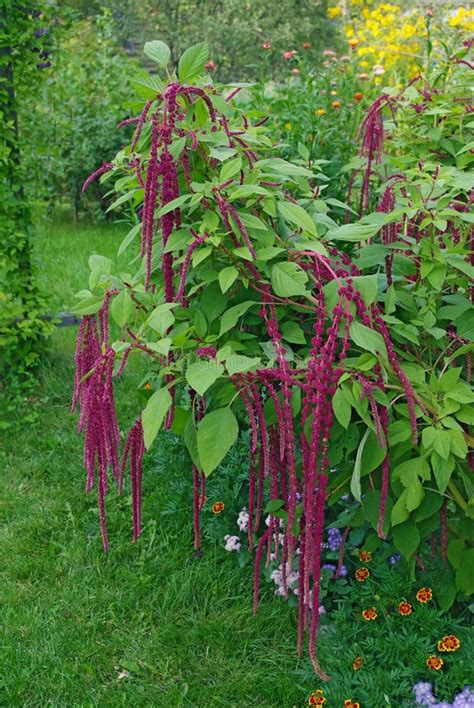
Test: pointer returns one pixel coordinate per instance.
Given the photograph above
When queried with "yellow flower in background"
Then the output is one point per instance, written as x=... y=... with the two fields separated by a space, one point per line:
x=334 y=12
x=320 y=112
x=462 y=19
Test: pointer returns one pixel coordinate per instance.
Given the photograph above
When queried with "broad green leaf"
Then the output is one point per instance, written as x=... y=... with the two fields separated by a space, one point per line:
x=406 y=538
x=355 y=480
x=173 y=204
x=414 y=495
x=455 y=549
x=313 y=246
x=122 y=307
x=342 y=408
x=203 y=374
x=353 y=232
x=161 y=319
x=292 y=332
x=442 y=443
x=158 y=52
x=442 y=470
x=400 y=512
x=192 y=62
x=288 y=279
x=465 y=572
x=233 y=314
x=154 y=414
x=129 y=238
x=216 y=434
x=367 y=338
x=237 y=363
x=227 y=277
x=295 y=214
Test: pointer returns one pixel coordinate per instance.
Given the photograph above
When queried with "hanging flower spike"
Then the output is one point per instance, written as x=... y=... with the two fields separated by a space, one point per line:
x=371 y=134
x=106 y=167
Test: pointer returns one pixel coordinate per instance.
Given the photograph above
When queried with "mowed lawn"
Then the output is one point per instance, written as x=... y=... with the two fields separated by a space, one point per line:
x=146 y=624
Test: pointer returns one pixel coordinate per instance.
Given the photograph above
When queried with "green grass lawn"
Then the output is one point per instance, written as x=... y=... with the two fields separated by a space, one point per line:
x=147 y=624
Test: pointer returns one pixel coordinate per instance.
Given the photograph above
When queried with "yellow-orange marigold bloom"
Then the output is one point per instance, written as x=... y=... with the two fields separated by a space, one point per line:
x=353 y=42
x=357 y=663
x=424 y=595
x=147 y=387
x=320 y=112
x=362 y=574
x=365 y=556
x=349 y=704
x=405 y=608
x=316 y=698
x=449 y=643
x=434 y=662
x=358 y=96
x=370 y=614
x=217 y=507
x=336 y=104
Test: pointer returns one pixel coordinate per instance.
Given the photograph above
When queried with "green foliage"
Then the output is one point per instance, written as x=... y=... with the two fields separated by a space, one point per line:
x=22 y=327
x=71 y=121
x=420 y=285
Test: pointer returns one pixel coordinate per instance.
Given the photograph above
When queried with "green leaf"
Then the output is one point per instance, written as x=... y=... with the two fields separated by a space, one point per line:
x=442 y=470
x=288 y=279
x=406 y=538
x=455 y=549
x=400 y=512
x=465 y=572
x=342 y=408
x=192 y=62
x=414 y=495
x=154 y=414
x=367 y=338
x=295 y=214
x=232 y=315
x=292 y=333
x=129 y=238
x=353 y=232
x=216 y=434
x=161 y=319
x=158 y=52
x=227 y=277
x=238 y=363
x=173 y=204
x=203 y=374
x=122 y=307
x=355 y=480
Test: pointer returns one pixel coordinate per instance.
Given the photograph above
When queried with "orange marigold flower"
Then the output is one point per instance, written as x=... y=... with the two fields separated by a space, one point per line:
x=365 y=556
x=349 y=704
x=353 y=42
x=362 y=574
x=434 y=662
x=316 y=698
x=424 y=595
x=358 y=96
x=306 y=45
x=217 y=507
x=449 y=643
x=147 y=387
x=405 y=608
x=357 y=663
x=336 y=104
x=370 y=614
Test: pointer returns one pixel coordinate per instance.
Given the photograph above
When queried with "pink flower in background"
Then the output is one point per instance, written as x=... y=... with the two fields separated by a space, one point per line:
x=210 y=65
x=266 y=46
